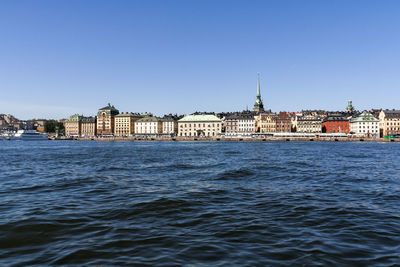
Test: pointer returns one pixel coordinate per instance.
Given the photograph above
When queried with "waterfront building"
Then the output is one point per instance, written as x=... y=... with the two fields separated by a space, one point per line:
x=309 y=123
x=266 y=122
x=72 y=125
x=336 y=123
x=283 y=122
x=125 y=123
x=88 y=126
x=148 y=125
x=365 y=125
x=230 y=124
x=170 y=125
x=240 y=123
x=106 y=120
x=389 y=122
x=246 y=123
x=258 y=104
x=200 y=125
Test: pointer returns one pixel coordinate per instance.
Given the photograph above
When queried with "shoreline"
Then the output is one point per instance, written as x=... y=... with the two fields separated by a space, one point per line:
x=236 y=139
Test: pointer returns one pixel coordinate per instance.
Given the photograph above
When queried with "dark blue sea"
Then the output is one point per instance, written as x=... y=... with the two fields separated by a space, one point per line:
x=199 y=203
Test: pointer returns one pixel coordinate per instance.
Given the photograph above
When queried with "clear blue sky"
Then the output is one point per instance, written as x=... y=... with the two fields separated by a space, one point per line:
x=63 y=57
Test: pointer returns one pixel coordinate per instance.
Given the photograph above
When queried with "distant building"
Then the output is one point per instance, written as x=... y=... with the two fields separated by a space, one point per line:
x=246 y=123
x=38 y=124
x=88 y=126
x=309 y=124
x=231 y=124
x=365 y=125
x=240 y=123
x=389 y=122
x=283 y=122
x=125 y=123
x=266 y=123
x=72 y=125
x=200 y=125
x=335 y=123
x=148 y=126
x=258 y=105
x=170 y=125
x=106 y=120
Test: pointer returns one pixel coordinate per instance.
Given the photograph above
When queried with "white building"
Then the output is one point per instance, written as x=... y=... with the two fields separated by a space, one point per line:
x=246 y=124
x=199 y=125
x=169 y=125
x=148 y=125
x=365 y=125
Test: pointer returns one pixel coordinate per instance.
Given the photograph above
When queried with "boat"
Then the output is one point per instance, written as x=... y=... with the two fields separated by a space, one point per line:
x=6 y=136
x=29 y=135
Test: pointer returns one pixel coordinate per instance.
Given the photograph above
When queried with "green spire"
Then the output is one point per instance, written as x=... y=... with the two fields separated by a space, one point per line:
x=258 y=105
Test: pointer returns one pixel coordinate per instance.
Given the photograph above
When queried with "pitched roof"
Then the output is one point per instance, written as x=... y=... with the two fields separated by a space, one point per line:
x=202 y=117
x=149 y=119
x=365 y=117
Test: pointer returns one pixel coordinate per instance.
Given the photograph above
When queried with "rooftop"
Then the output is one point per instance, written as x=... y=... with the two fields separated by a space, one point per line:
x=202 y=117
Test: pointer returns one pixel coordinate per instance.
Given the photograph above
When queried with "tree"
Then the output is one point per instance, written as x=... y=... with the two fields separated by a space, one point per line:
x=52 y=126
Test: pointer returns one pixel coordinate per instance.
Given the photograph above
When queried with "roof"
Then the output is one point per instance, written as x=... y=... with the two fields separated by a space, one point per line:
x=203 y=117
x=109 y=110
x=149 y=119
x=392 y=113
x=365 y=117
x=88 y=119
x=74 y=118
x=130 y=114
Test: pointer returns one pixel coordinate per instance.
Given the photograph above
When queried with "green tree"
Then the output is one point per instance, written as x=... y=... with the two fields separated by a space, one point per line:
x=51 y=126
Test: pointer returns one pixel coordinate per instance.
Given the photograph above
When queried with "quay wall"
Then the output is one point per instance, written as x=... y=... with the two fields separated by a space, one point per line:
x=244 y=139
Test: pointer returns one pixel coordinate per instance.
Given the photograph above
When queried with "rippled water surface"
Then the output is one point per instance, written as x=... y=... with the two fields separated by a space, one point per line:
x=195 y=203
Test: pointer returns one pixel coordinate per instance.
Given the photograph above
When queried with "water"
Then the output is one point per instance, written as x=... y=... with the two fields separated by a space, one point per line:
x=199 y=204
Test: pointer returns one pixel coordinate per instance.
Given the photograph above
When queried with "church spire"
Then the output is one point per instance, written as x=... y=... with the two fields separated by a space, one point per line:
x=258 y=105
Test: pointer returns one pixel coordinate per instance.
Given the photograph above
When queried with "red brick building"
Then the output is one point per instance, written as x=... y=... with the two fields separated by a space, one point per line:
x=336 y=124
x=283 y=123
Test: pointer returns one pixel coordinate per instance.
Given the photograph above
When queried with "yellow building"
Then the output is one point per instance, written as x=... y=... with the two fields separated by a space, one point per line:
x=72 y=125
x=88 y=126
x=389 y=122
x=125 y=124
x=266 y=123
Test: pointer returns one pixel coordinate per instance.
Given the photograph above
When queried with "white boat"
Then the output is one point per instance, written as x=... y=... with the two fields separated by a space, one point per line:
x=29 y=135
x=5 y=136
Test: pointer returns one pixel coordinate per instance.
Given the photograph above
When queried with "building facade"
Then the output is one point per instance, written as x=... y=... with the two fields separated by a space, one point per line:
x=266 y=123
x=200 y=125
x=365 y=125
x=106 y=120
x=125 y=123
x=88 y=126
x=231 y=124
x=336 y=123
x=148 y=126
x=72 y=125
x=309 y=124
x=389 y=122
x=246 y=123
x=170 y=125
x=283 y=123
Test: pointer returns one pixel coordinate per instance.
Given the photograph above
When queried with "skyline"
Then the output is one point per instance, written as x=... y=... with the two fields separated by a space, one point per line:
x=61 y=58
